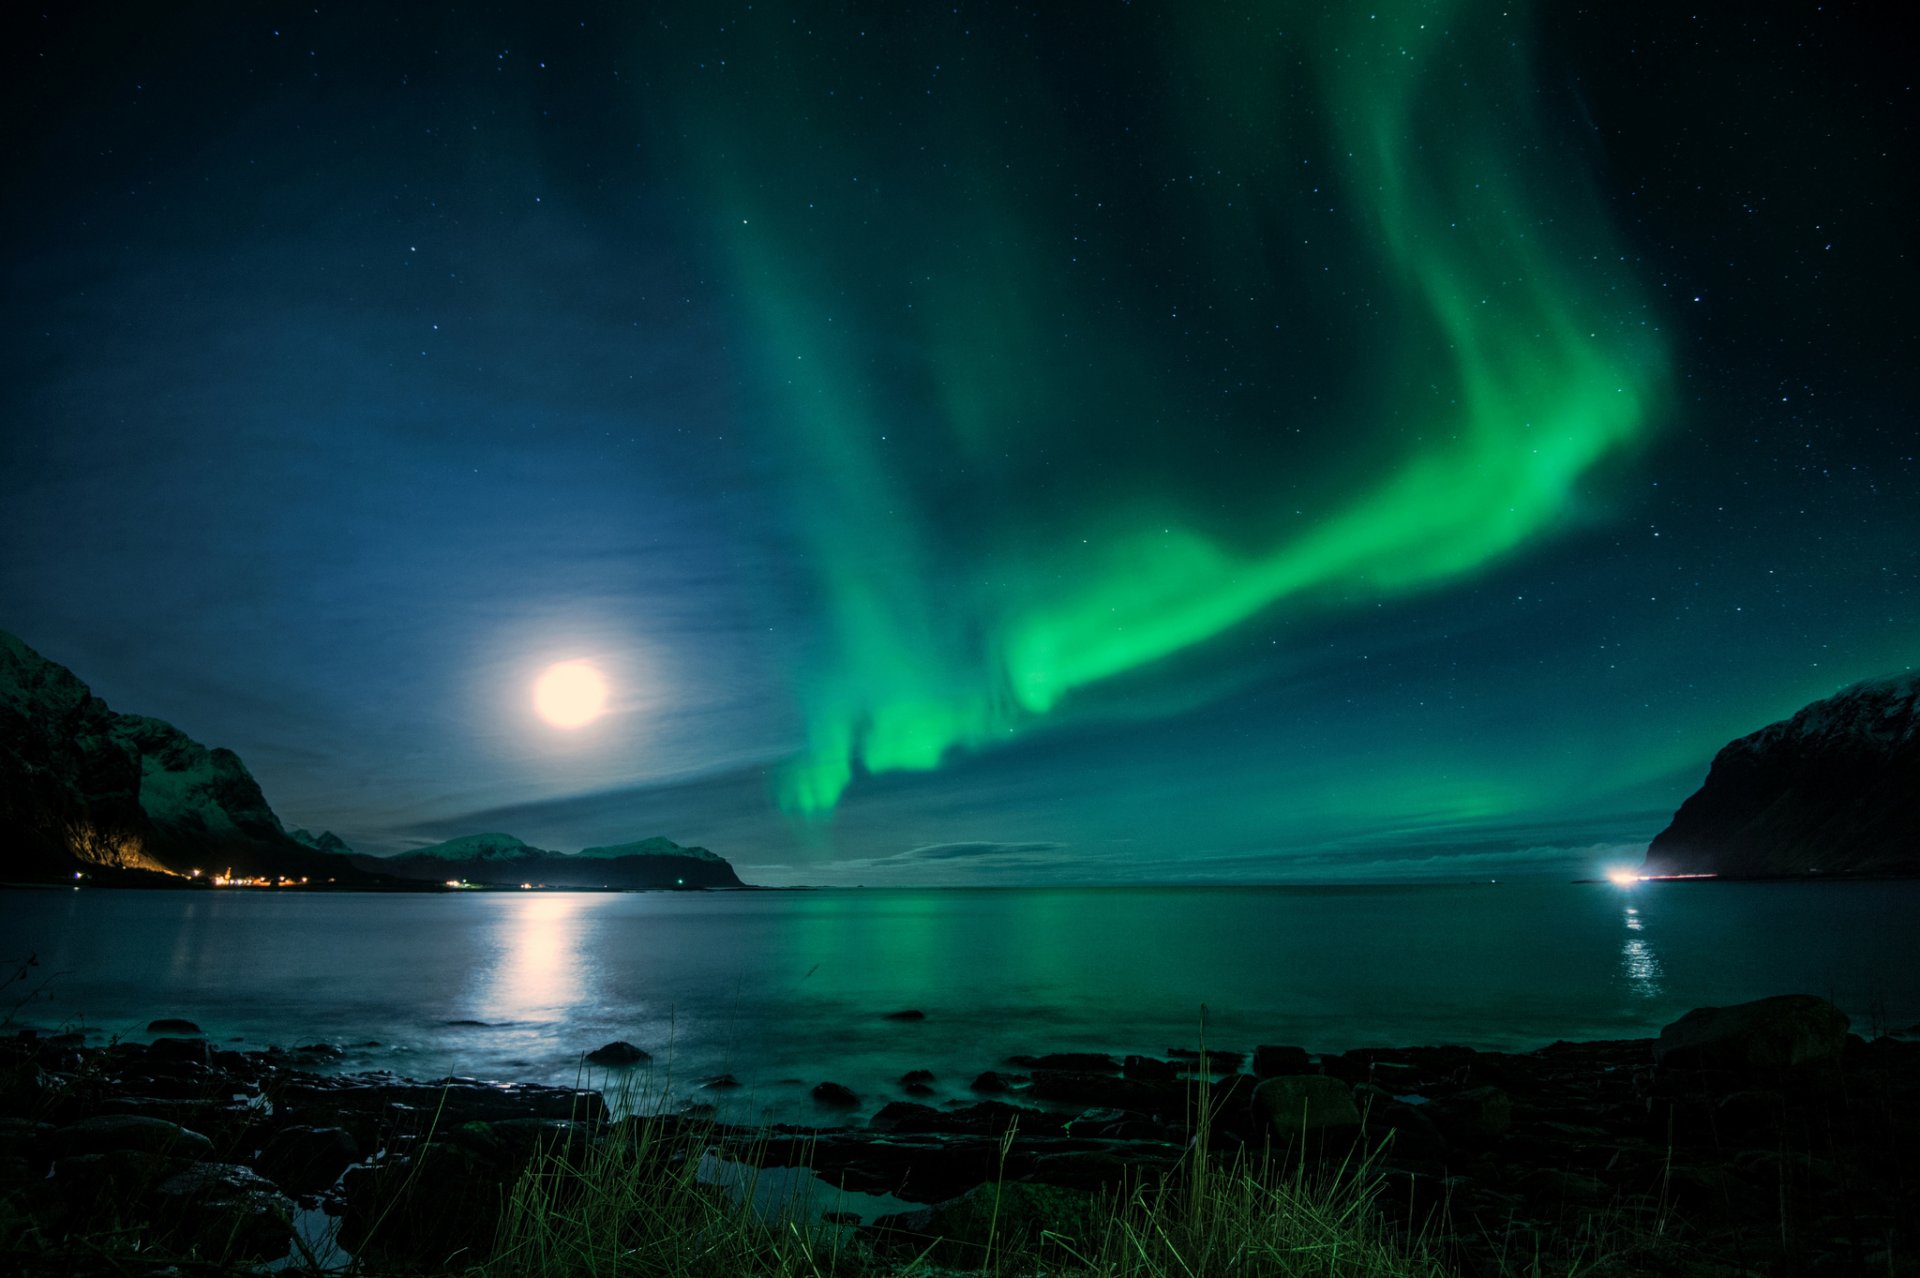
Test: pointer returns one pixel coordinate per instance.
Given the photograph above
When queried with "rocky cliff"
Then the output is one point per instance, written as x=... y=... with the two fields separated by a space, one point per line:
x=1833 y=790
x=85 y=789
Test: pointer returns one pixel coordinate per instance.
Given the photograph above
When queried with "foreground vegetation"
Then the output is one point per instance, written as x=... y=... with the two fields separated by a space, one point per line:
x=625 y=1210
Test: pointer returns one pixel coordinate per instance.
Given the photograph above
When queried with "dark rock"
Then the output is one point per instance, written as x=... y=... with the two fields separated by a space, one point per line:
x=1209 y=1060
x=1296 y=1105
x=194 y=1050
x=1102 y=1091
x=993 y=1082
x=106 y=1133
x=172 y=1025
x=320 y=1052
x=619 y=1052
x=1014 y=1215
x=721 y=1082
x=1083 y=1062
x=1272 y=1062
x=454 y=1100
x=308 y=1160
x=1477 y=1116
x=909 y=1014
x=1770 y=1033
x=229 y=1209
x=1149 y=1069
x=834 y=1095
x=987 y=1118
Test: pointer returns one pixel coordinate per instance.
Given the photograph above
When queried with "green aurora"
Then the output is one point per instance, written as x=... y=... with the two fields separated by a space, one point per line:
x=1035 y=521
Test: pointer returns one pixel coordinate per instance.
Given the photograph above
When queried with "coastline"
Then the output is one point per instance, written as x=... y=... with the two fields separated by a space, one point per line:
x=1778 y=1138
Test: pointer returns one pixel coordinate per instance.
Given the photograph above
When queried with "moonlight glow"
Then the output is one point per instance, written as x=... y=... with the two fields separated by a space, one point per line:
x=570 y=694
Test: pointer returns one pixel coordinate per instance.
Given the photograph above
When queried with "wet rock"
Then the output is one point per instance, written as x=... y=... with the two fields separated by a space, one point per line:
x=308 y=1160
x=835 y=1095
x=1149 y=1069
x=721 y=1082
x=321 y=1101
x=1102 y=1091
x=194 y=1051
x=987 y=1118
x=917 y=1082
x=227 y=1209
x=991 y=1081
x=1770 y=1033
x=1477 y=1116
x=1274 y=1061
x=1208 y=1060
x=1083 y=1062
x=618 y=1053
x=320 y=1052
x=1013 y=1215
x=106 y=1133
x=1297 y=1105
x=906 y=1014
x=172 y=1025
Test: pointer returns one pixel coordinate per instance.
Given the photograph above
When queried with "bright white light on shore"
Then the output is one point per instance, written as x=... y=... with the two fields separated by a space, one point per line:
x=570 y=694
x=1623 y=877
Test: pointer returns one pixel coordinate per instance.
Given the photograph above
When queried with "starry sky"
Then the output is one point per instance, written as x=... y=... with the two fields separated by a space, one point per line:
x=1109 y=442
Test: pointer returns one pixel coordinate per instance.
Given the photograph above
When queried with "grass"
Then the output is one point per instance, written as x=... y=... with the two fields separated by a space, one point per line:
x=636 y=1204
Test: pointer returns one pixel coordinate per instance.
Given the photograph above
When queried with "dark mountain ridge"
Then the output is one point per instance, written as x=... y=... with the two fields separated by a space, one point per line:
x=131 y=799
x=1835 y=789
x=85 y=790
x=502 y=860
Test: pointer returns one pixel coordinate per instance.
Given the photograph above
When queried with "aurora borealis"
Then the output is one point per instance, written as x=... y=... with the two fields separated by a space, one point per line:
x=1158 y=442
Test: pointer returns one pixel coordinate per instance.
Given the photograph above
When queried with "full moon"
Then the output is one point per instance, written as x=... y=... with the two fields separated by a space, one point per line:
x=570 y=694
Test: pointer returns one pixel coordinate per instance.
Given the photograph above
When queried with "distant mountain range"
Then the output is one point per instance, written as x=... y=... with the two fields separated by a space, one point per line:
x=1833 y=790
x=127 y=799
x=501 y=859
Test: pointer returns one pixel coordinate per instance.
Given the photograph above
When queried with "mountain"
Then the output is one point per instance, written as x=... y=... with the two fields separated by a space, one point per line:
x=1833 y=790
x=499 y=849
x=501 y=859
x=325 y=841
x=83 y=789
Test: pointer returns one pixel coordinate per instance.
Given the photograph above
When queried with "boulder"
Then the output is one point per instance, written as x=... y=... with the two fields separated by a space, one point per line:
x=307 y=1160
x=835 y=1095
x=906 y=1014
x=172 y=1025
x=991 y=1081
x=1080 y=1062
x=1013 y=1215
x=227 y=1210
x=190 y=1050
x=1770 y=1033
x=1272 y=1061
x=1477 y=1116
x=1296 y=1105
x=618 y=1053
x=105 y=1133
x=917 y=1082
x=1149 y=1069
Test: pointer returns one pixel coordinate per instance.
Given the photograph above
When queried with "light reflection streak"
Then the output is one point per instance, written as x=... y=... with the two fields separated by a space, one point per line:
x=536 y=974
x=1637 y=960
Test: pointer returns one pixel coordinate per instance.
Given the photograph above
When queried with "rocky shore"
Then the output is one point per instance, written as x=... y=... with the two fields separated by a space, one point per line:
x=1758 y=1139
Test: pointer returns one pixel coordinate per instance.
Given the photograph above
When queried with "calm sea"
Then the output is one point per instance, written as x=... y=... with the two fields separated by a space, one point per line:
x=785 y=989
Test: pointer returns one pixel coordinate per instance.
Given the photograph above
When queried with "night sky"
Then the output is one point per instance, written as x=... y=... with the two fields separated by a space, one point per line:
x=1101 y=442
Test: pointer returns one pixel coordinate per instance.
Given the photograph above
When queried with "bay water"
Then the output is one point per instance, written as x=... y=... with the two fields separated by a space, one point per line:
x=785 y=989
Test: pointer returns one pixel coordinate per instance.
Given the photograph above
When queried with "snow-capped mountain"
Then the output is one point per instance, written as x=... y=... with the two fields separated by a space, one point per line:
x=83 y=788
x=1833 y=790
x=498 y=859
